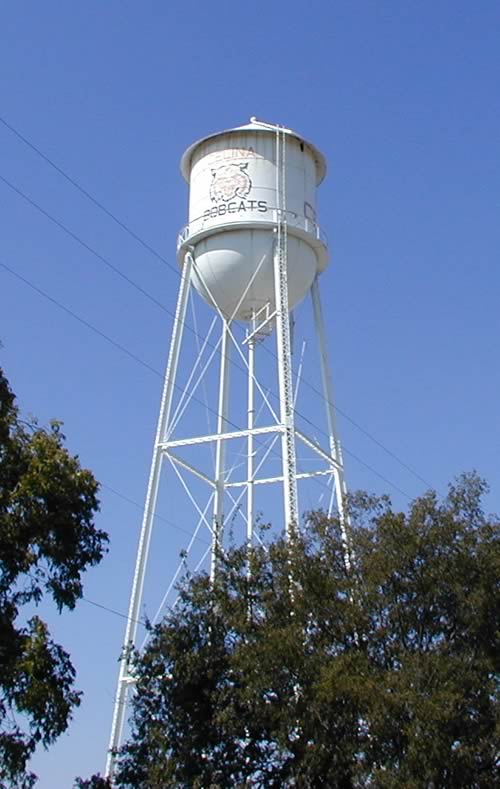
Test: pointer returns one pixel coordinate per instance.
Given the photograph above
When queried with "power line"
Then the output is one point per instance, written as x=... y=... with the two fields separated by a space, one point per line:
x=123 y=349
x=101 y=334
x=160 y=257
x=114 y=611
x=356 y=425
x=112 y=267
x=149 y=367
x=88 y=195
x=157 y=515
x=83 y=243
x=80 y=319
x=151 y=298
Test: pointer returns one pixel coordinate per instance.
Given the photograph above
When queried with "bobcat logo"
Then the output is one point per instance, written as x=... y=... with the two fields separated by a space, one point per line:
x=229 y=181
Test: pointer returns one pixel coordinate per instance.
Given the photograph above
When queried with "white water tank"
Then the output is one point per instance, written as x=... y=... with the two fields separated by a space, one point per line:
x=233 y=204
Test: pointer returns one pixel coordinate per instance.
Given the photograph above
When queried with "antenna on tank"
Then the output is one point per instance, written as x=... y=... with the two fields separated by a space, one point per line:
x=251 y=251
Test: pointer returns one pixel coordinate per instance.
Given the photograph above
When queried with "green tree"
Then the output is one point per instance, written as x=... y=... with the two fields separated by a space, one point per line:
x=291 y=670
x=94 y=782
x=47 y=540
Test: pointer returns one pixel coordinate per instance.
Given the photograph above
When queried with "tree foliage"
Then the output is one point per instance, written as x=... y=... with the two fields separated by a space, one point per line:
x=47 y=540
x=291 y=670
x=94 y=782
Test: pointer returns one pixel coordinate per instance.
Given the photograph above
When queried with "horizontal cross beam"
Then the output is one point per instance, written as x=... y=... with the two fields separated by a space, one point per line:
x=186 y=442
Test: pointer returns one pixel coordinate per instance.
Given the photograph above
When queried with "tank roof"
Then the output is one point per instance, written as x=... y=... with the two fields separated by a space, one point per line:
x=255 y=126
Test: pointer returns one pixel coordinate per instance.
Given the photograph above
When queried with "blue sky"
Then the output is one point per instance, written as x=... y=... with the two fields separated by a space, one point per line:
x=402 y=98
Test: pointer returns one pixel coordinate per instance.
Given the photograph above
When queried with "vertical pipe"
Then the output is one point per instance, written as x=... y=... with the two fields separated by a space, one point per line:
x=250 y=449
x=220 y=451
x=148 y=518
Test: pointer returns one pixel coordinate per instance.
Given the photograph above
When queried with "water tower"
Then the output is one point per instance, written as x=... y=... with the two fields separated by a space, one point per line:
x=253 y=250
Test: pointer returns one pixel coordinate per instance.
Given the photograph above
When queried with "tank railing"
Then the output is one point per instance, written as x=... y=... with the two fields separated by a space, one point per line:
x=201 y=223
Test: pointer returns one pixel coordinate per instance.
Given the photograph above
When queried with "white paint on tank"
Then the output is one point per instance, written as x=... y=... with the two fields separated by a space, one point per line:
x=233 y=213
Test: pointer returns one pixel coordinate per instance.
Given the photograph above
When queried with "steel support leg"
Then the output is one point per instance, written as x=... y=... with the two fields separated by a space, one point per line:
x=220 y=451
x=335 y=446
x=148 y=518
